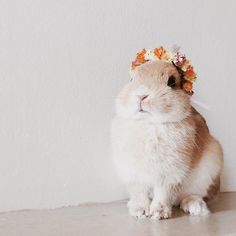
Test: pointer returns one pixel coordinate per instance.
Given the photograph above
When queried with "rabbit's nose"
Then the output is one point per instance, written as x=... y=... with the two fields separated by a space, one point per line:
x=142 y=97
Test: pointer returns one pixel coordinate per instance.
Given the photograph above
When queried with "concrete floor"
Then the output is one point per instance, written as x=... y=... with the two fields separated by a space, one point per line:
x=110 y=219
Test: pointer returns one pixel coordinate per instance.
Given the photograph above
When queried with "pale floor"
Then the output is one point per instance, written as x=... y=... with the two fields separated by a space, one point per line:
x=112 y=219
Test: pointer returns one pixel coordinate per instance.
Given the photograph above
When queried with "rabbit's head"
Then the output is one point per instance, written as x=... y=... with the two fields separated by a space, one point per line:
x=154 y=94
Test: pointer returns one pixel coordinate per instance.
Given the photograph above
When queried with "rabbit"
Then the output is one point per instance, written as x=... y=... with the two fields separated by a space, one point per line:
x=161 y=146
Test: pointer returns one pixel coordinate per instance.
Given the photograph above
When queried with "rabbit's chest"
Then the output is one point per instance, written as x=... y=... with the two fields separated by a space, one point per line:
x=152 y=142
x=148 y=151
x=158 y=157
x=157 y=146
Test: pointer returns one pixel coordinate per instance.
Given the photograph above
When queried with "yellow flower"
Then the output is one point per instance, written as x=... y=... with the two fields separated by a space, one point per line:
x=189 y=74
x=185 y=65
x=168 y=57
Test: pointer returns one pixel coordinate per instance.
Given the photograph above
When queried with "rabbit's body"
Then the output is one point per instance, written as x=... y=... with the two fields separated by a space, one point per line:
x=165 y=156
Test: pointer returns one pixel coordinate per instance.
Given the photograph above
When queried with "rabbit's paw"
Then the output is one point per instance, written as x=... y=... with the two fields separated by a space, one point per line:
x=139 y=209
x=160 y=211
x=194 y=205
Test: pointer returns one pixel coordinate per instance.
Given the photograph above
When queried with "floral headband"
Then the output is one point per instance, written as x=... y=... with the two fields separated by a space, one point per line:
x=186 y=70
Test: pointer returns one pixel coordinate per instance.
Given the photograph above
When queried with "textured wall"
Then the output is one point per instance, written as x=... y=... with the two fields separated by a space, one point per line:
x=61 y=64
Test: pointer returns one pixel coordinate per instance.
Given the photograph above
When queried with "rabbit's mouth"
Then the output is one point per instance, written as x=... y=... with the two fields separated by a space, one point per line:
x=142 y=111
x=141 y=108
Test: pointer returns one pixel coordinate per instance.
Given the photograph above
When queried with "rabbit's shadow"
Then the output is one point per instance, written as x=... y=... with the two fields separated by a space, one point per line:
x=224 y=202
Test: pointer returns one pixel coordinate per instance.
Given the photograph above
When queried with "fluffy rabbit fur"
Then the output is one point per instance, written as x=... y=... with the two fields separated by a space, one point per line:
x=161 y=145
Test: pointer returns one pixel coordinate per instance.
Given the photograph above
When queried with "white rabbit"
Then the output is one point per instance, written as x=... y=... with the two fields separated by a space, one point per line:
x=161 y=145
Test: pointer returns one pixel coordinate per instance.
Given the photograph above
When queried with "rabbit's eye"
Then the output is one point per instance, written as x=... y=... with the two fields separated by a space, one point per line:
x=171 y=82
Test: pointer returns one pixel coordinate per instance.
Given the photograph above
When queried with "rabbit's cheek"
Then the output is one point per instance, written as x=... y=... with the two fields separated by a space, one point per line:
x=147 y=104
x=150 y=102
x=133 y=101
x=144 y=103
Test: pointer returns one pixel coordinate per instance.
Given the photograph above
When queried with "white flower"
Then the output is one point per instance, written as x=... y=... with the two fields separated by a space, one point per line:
x=150 y=56
x=168 y=57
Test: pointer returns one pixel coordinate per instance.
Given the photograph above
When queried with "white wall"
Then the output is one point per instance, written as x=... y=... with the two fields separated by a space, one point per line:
x=61 y=64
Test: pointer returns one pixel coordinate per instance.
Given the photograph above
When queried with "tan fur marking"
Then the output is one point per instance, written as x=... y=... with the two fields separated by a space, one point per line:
x=213 y=189
x=201 y=136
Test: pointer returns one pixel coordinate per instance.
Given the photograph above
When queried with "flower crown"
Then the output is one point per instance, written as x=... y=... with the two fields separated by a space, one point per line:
x=179 y=60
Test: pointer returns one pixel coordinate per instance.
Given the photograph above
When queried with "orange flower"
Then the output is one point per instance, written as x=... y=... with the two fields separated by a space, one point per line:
x=187 y=86
x=140 y=57
x=159 y=52
x=189 y=73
